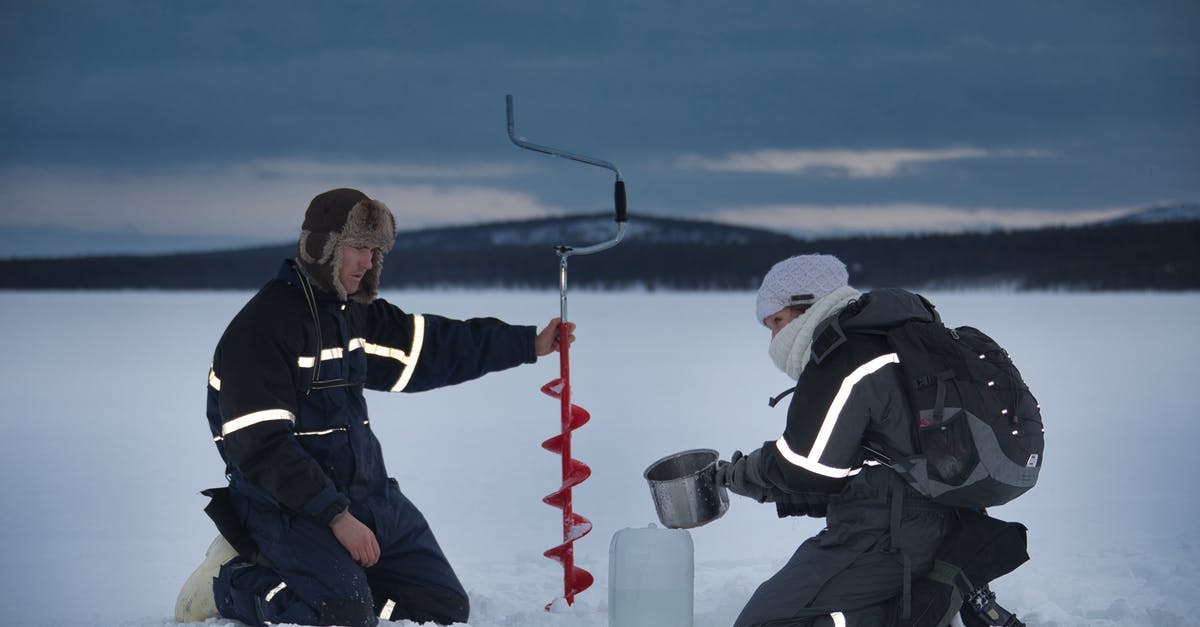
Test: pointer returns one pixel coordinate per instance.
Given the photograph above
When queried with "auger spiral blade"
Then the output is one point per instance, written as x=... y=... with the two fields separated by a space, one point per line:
x=574 y=472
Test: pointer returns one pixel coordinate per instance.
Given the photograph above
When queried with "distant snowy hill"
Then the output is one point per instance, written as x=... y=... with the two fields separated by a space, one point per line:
x=584 y=230
x=24 y=242
x=1144 y=251
x=55 y=241
x=1182 y=212
x=58 y=242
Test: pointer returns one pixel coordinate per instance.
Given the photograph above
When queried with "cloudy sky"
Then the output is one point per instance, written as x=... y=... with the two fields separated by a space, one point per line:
x=226 y=117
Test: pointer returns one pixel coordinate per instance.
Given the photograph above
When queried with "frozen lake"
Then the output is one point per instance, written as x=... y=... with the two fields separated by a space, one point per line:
x=106 y=448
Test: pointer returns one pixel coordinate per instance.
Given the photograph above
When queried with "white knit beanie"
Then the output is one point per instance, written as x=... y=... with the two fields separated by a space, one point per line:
x=799 y=280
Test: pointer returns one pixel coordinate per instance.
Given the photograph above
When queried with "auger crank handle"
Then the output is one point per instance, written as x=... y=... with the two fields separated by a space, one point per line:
x=619 y=201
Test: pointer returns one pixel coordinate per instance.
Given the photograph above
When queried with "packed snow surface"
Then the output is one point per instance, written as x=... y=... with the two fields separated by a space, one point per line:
x=105 y=450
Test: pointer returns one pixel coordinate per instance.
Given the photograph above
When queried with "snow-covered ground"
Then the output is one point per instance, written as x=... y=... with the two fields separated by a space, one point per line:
x=105 y=448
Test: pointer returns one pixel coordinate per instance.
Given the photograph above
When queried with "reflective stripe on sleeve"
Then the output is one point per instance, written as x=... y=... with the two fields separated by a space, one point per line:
x=408 y=360
x=248 y=420
x=811 y=462
x=839 y=619
x=213 y=380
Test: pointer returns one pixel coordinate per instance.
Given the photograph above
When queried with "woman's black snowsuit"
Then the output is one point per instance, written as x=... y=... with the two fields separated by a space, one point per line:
x=299 y=452
x=849 y=573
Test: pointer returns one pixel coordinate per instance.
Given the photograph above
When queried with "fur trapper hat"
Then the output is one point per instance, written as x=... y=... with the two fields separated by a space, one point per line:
x=344 y=216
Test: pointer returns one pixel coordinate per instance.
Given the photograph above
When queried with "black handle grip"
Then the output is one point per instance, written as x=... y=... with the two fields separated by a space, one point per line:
x=619 y=200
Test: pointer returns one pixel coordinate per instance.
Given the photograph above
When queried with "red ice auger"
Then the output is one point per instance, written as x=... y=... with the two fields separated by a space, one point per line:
x=574 y=472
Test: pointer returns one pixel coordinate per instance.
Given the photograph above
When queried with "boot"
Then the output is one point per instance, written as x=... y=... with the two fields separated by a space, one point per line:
x=196 y=602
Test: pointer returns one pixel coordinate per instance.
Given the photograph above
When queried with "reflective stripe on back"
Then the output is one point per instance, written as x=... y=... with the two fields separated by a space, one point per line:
x=811 y=462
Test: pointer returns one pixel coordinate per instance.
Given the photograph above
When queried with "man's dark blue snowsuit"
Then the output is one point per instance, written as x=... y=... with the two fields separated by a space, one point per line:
x=286 y=409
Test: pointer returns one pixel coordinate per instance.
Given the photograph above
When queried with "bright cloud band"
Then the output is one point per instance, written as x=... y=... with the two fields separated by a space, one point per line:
x=884 y=163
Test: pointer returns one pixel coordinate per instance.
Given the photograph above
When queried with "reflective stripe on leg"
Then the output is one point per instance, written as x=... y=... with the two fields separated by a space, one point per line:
x=275 y=591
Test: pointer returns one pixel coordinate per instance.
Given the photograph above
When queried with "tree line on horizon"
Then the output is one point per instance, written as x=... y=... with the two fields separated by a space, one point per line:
x=1163 y=256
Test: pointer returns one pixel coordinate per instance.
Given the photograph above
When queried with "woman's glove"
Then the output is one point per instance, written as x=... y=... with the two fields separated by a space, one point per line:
x=742 y=475
x=803 y=504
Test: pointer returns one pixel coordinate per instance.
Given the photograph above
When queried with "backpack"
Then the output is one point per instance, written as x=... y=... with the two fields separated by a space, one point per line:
x=978 y=434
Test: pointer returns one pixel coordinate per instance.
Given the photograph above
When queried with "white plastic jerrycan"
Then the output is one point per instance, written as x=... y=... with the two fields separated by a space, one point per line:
x=650 y=578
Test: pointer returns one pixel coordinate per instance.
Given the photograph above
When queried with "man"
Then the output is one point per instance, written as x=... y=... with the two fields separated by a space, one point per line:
x=323 y=535
x=879 y=532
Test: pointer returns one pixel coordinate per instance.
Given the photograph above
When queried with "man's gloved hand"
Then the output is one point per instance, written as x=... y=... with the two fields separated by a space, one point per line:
x=741 y=475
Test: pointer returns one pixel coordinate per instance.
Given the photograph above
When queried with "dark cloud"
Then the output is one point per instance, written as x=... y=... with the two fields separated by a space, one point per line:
x=1111 y=89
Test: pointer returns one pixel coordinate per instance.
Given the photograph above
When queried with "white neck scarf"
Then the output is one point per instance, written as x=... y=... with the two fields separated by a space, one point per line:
x=791 y=347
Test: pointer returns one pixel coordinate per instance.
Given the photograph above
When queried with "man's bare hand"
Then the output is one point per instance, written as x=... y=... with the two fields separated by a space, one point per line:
x=547 y=342
x=357 y=538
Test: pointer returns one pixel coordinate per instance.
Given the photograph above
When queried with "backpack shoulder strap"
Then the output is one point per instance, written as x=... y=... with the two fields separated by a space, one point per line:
x=826 y=337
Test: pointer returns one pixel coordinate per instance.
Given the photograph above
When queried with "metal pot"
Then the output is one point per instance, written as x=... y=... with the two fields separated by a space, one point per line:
x=684 y=488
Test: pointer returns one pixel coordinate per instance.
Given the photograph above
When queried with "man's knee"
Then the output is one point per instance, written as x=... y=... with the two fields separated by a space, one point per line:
x=425 y=604
x=256 y=594
x=352 y=612
x=881 y=615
